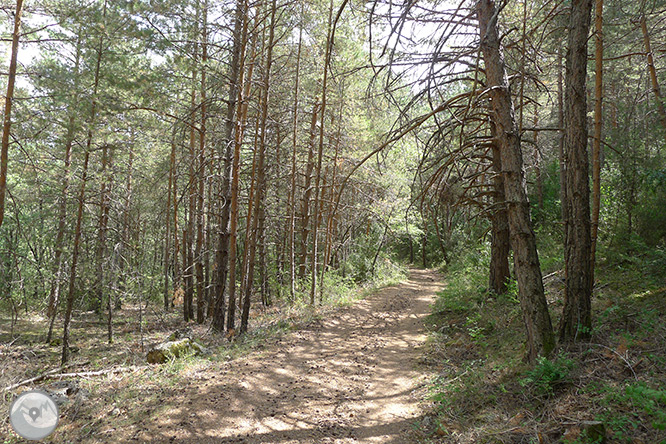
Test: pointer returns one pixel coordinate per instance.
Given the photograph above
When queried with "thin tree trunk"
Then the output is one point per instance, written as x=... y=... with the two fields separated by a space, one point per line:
x=537 y=165
x=260 y=175
x=201 y=284
x=576 y=321
x=167 y=240
x=653 y=72
x=177 y=271
x=241 y=116
x=222 y=253
x=560 y=140
x=192 y=188
x=54 y=294
x=320 y=154
x=307 y=193
x=75 y=256
x=79 y=215
x=596 y=145
x=292 y=189
x=100 y=285
x=540 y=338
x=331 y=206
x=9 y=98
x=126 y=254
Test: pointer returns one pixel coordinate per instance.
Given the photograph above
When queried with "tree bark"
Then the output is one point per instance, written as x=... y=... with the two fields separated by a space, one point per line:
x=499 y=272
x=202 y=170
x=596 y=144
x=576 y=320
x=258 y=202
x=9 y=98
x=540 y=338
x=222 y=253
x=241 y=117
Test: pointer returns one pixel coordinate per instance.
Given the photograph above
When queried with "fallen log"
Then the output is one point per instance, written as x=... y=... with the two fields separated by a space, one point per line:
x=54 y=375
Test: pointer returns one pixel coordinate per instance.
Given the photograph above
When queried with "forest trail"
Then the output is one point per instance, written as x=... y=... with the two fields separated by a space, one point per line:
x=346 y=379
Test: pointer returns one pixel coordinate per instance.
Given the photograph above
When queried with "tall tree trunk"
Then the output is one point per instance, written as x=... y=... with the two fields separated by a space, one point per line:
x=241 y=117
x=222 y=252
x=167 y=240
x=82 y=192
x=193 y=194
x=9 y=98
x=331 y=206
x=576 y=321
x=540 y=338
x=126 y=254
x=320 y=154
x=202 y=170
x=596 y=144
x=177 y=271
x=54 y=294
x=260 y=174
x=292 y=190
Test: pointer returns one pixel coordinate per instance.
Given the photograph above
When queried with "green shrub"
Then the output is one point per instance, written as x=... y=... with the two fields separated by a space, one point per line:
x=547 y=375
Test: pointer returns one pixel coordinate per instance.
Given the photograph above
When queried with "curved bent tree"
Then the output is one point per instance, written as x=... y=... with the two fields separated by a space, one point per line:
x=540 y=337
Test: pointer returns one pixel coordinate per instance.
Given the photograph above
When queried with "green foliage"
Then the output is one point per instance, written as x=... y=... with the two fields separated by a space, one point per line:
x=623 y=405
x=548 y=375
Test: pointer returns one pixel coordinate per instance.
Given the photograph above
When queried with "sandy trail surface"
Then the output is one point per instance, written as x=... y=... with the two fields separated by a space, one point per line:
x=347 y=379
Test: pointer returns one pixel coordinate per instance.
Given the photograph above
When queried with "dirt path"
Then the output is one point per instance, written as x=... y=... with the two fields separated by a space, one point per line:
x=349 y=379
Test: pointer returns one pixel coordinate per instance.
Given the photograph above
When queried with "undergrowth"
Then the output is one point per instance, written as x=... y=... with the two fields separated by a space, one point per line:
x=485 y=392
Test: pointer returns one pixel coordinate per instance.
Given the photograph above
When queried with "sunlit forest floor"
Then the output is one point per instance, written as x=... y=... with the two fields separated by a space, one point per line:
x=615 y=382
x=390 y=368
x=334 y=375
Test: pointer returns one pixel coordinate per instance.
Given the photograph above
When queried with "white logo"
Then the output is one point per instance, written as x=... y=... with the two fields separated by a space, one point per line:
x=34 y=415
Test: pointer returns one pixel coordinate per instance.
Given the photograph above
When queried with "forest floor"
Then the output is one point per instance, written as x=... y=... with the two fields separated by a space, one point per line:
x=349 y=376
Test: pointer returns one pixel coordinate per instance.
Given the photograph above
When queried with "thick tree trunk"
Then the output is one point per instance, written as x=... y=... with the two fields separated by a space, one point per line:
x=540 y=338
x=576 y=319
x=499 y=272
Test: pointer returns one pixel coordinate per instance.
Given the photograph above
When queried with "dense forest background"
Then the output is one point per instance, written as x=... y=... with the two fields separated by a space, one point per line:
x=216 y=158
